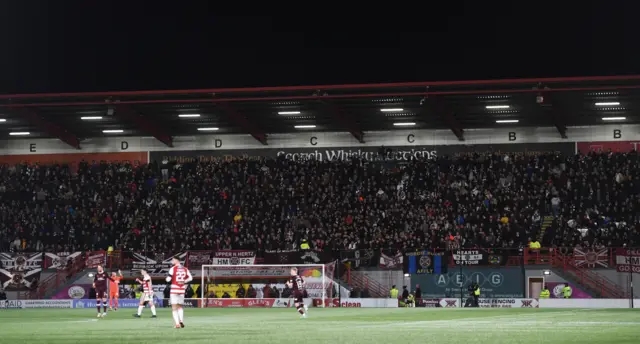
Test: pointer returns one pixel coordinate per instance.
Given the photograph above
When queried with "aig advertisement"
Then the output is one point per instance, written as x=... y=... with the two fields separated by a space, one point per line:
x=505 y=282
x=397 y=153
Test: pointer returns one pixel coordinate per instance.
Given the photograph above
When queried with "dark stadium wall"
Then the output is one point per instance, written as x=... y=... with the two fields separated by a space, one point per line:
x=618 y=136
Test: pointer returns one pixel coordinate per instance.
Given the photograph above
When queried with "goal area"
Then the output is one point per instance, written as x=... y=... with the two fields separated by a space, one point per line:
x=263 y=285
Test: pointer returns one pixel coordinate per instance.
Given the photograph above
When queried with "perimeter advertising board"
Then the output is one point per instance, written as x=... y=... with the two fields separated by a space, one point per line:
x=505 y=282
x=398 y=153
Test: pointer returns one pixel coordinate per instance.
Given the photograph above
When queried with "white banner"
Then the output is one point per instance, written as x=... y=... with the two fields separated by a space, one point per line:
x=493 y=303
x=234 y=257
x=36 y=304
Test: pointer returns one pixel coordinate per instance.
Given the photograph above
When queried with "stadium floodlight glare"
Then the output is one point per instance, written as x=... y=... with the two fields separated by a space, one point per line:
x=89 y=118
x=185 y=115
x=207 y=129
x=508 y=121
x=3 y=120
x=607 y=103
x=407 y=275
x=392 y=110
x=614 y=118
x=495 y=107
x=404 y=124
x=289 y=113
x=19 y=133
x=113 y=131
x=546 y=272
x=306 y=126
x=213 y=274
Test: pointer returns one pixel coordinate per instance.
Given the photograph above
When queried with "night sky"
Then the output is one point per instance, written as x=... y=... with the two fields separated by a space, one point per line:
x=114 y=45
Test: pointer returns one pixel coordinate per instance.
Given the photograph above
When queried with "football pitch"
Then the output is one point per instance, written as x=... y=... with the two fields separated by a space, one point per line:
x=336 y=325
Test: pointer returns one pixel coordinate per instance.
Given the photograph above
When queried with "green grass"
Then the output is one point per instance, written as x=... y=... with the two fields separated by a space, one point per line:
x=371 y=326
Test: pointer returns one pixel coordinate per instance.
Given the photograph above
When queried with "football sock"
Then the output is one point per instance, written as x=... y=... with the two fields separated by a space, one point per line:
x=105 y=307
x=175 y=317
x=116 y=302
x=98 y=304
x=153 y=309
x=180 y=314
x=140 y=309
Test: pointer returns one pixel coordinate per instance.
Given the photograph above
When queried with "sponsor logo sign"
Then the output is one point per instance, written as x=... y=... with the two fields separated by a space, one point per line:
x=47 y=303
x=494 y=283
x=429 y=303
x=494 y=303
x=234 y=257
x=122 y=303
x=19 y=271
x=74 y=291
x=15 y=304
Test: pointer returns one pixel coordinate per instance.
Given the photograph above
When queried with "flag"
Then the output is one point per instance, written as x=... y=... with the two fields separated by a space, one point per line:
x=426 y=262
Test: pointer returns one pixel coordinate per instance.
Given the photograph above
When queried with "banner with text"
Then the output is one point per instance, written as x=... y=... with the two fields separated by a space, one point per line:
x=234 y=257
x=157 y=265
x=371 y=153
x=503 y=282
x=425 y=262
x=96 y=258
x=311 y=302
x=20 y=304
x=628 y=260
x=20 y=271
x=481 y=257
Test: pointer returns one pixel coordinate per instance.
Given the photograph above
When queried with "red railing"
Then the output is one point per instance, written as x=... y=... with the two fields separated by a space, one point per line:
x=361 y=280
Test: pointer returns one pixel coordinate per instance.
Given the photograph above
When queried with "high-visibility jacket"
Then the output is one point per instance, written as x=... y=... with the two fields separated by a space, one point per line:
x=393 y=293
x=566 y=291
x=545 y=294
x=476 y=292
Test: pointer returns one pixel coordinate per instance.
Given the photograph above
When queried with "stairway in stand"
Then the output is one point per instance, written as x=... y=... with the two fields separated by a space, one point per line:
x=546 y=223
x=592 y=282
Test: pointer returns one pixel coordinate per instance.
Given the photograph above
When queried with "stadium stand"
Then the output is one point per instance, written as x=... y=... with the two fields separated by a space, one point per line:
x=468 y=201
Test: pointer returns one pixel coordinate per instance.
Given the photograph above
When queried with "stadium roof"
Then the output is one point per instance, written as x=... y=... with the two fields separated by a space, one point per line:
x=454 y=105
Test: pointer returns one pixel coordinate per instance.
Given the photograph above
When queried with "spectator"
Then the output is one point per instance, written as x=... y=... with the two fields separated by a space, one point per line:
x=475 y=200
x=251 y=292
x=240 y=293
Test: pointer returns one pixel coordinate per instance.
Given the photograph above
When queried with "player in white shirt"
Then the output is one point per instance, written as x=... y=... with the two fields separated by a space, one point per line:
x=179 y=276
x=147 y=294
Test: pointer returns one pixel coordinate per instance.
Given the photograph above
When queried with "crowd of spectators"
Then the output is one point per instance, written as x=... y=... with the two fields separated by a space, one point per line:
x=481 y=200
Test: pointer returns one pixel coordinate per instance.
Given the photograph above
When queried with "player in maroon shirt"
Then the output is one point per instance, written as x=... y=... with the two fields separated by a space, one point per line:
x=297 y=283
x=100 y=285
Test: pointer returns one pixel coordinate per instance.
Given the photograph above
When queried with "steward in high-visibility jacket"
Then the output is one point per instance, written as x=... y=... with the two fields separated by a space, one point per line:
x=545 y=293
x=393 y=293
x=567 y=291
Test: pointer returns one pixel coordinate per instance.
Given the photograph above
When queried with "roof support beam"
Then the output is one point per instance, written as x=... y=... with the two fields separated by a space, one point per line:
x=553 y=108
x=437 y=106
x=454 y=125
x=345 y=120
x=241 y=120
x=52 y=129
x=145 y=124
